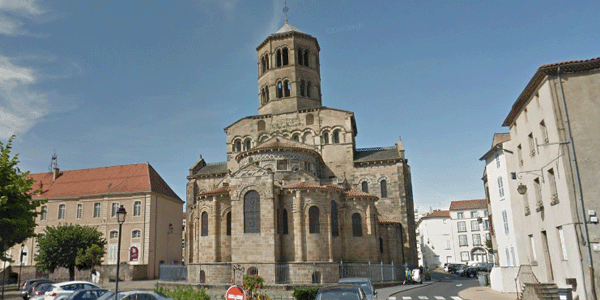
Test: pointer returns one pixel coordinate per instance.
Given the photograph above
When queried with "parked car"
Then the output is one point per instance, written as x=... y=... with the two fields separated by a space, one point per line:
x=64 y=289
x=339 y=292
x=91 y=294
x=459 y=269
x=40 y=291
x=365 y=284
x=469 y=272
x=28 y=284
x=451 y=268
x=134 y=295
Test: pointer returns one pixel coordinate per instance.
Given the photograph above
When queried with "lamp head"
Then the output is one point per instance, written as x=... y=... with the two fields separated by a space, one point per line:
x=121 y=213
x=522 y=189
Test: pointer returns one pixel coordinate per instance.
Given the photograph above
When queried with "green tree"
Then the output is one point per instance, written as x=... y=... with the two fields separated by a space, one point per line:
x=89 y=258
x=61 y=245
x=17 y=210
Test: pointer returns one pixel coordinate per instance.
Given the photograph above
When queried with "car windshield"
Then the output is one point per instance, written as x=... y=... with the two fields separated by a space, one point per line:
x=338 y=295
x=366 y=287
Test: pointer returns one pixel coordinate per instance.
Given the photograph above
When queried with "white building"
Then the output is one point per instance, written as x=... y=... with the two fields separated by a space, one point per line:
x=470 y=230
x=504 y=205
x=435 y=239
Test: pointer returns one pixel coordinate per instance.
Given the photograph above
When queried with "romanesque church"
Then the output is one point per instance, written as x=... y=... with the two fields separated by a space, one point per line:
x=295 y=196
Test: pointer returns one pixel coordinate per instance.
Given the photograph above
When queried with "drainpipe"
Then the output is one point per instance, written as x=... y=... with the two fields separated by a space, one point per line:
x=579 y=192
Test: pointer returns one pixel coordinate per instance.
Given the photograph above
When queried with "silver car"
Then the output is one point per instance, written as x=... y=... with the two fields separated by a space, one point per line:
x=64 y=289
x=365 y=284
x=134 y=295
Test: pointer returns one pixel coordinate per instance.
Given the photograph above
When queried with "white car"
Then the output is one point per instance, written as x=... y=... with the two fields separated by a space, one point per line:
x=64 y=289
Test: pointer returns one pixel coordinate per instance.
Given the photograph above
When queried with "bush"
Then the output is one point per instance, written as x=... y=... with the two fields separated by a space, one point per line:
x=305 y=293
x=183 y=293
x=252 y=285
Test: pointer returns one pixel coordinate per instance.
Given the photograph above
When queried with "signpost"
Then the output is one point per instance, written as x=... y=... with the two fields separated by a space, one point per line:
x=235 y=293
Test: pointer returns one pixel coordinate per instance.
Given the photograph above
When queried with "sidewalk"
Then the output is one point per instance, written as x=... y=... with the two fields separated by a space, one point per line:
x=485 y=292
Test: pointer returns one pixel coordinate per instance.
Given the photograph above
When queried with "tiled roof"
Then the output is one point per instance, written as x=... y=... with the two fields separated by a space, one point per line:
x=104 y=180
x=468 y=204
x=278 y=145
x=213 y=169
x=376 y=154
x=381 y=219
x=500 y=138
x=438 y=214
x=311 y=185
x=217 y=191
x=287 y=28
x=572 y=66
x=357 y=193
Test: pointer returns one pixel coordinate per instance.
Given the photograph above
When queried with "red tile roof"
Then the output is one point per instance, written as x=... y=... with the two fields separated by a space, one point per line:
x=468 y=204
x=381 y=219
x=439 y=214
x=217 y=191
x=331 y=187
x=104 y=180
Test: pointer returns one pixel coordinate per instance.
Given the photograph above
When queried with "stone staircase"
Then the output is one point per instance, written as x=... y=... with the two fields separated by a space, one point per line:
x=539 y=291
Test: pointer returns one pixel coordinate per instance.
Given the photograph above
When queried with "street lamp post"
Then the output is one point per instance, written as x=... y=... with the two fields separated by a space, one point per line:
x=20 y=265
x=121 y=213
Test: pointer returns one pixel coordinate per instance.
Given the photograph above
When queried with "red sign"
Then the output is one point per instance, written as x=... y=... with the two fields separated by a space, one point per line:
x=133 y=253
x=235 y=293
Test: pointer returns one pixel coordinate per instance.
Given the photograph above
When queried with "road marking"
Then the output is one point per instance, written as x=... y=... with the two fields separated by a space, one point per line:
x=440 y=298
x=456 y=298
x=423 y=297
x=392 y=298
x=406 y=297
x=459 y=284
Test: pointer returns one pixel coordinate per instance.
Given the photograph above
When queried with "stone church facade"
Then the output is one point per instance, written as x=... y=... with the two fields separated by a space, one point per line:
x=295 y=196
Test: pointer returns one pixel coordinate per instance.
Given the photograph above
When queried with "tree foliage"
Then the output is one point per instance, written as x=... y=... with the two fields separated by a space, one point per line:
x=17 y=210
x=61 y=245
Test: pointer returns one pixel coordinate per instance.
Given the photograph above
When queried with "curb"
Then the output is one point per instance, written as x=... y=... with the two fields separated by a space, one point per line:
x=393 y=296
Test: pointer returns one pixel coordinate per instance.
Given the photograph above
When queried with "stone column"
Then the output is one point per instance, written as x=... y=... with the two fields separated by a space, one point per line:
x=328 y=232
x=216 y=233
x=298 y=228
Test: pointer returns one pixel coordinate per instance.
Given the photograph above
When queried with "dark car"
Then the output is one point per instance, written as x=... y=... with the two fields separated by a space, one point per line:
x=469 y=272
x=364 y=283
x=28 y=284
x=452 y=268
x=91 y=294
x=341 y=292
x=460 y=269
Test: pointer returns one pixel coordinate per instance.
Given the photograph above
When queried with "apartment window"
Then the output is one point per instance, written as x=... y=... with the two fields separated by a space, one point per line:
x=79 y=210
x=476 y=240
x=526 y=203
x=61 y=212
x=497 y=158
x=507 y=256
x=462 y=226
x=473 y=214
x=136 y=234
x=114 y=234
x=462 y=240
x=464 y=256
x=514 y=258
x=532 y=247
x=520 y=154
x=538 y=193
x=448 y=245
x=137 y=208
x=485 y=213
x=460 y=215
x=531 y=144
x=500 y=187
x=44 y=212
x=115 y=207
x=544 y=132
x=112 y=254
x=563 y=244
x=553 y=191
x=474 y=225
x=505 y=220
x=96 y=210
x=486 y=224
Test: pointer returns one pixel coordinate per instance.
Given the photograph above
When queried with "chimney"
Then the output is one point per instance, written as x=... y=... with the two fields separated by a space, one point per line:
x=55 y=173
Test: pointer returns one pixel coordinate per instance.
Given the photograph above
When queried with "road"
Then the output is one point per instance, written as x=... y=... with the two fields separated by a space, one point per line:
x=444 y=287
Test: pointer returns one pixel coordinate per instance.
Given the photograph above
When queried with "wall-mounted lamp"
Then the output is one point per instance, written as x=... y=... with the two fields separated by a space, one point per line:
x=522 y=189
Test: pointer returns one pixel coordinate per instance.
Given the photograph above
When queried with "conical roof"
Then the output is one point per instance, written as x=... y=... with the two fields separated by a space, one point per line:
x=288 y=28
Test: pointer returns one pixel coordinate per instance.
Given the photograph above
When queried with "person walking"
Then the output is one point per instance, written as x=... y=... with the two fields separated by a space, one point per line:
x=407 y=277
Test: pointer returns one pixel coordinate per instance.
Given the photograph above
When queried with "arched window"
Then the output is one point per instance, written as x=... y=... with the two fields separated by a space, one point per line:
x=267 y=93
x=284 y=56
x=113 y=234
x=228 y=225
x=334 y=220
x=279 y=89
x=325 y=137
x=267 y=60
x=296 y=137
x=383 y=189
x=79 y=210
x=137 y=208
x=44 y=215
x=284 y=222
x=286 y=88
x=204 y=224
x=61 y=211
x=356 y=225
x=365 y=186
x=248 y=145
x=261 y=125
x=237 y=146
x=263 y=96
x=306 y=57
x=336 y=137
x=380 y=245
x=316 y=277
x=136 y=234
x=252 y=271
x=302 y=87
x=308 y=89
x=314 y=225
x=263 y=64
x=300 y=58
x=278 y=60
x=202 y=276
x=252 y=212
x=310 y=119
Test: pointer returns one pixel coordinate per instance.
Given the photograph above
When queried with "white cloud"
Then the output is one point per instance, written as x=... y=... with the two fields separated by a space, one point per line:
x=20 y=106
x=10 y=13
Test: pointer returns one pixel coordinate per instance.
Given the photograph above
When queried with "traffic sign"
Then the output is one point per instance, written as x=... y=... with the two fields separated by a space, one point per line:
x=235 y=292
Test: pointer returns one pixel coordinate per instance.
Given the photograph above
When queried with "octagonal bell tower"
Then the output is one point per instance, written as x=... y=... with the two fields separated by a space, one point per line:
x=288 y=72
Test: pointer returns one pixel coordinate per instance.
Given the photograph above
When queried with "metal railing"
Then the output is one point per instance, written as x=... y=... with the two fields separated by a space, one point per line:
x=377 y=272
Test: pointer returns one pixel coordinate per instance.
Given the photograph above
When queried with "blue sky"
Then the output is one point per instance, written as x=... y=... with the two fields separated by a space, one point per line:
x=120 y=82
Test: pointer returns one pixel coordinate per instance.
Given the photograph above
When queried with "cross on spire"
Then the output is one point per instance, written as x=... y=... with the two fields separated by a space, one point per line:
x=285 y=10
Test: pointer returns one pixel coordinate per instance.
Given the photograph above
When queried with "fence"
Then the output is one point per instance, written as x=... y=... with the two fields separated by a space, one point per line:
x=377 y=272
x=173 y=272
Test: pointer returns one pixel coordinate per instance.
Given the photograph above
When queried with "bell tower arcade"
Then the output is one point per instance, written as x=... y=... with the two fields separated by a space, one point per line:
x=288 y=72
